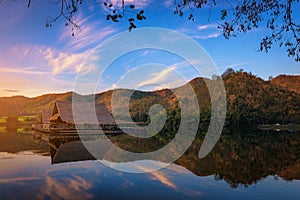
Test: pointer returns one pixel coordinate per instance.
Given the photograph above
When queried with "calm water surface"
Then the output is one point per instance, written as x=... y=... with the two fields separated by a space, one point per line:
x=259 y=165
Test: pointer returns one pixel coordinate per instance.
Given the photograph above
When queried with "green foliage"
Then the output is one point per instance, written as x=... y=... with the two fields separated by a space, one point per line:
x=3 y=119
x=250 y=101
x=27 y=118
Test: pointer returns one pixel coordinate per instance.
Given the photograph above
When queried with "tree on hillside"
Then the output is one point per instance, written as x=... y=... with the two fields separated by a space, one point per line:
x=277 y=16
x=228 y=72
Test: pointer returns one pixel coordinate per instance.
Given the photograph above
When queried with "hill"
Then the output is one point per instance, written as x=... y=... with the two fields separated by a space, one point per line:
x=287 y=82
x=250 y=100
x=253 y=100
x=20 y=105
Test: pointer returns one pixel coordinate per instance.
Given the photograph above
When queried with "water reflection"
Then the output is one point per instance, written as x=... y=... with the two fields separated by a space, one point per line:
x=242 y=165
x=239 y=159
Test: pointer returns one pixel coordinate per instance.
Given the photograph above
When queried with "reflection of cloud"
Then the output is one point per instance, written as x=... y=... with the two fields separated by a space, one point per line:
x=69 y=188
x=72 y=186
x=170 y=177
x=18 y=180
x=164 y=179
x=126 y=184
x=47 y=182
x=157 y=175
x=194 y=193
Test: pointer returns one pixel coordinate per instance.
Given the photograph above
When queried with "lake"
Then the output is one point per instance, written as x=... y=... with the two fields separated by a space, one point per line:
x=243 y=165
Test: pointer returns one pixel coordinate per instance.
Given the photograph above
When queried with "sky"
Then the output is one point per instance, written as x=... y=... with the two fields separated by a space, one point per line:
x=36 y=60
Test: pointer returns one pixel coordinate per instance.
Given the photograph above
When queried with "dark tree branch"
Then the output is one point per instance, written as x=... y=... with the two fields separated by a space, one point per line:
x=127 y=11
x=243 y=16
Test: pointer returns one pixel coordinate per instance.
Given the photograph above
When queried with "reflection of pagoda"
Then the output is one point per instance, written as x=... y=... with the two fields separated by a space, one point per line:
x=72 y=151
x=11 y=124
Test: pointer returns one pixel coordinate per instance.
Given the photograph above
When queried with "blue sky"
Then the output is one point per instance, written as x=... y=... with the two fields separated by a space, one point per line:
x=37 y=60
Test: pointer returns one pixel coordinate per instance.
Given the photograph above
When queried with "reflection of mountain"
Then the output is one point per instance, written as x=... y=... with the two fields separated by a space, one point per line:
x=238 y=159
x=245 y=159
x=291 y=173
x=249 y=99
x=13 y=142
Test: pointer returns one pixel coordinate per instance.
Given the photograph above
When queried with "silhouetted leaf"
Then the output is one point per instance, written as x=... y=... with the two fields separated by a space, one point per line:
x=223 y=14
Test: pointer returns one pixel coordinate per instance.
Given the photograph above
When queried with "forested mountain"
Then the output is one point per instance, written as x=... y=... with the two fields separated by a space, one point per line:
x=288 y=82
x=250 y=100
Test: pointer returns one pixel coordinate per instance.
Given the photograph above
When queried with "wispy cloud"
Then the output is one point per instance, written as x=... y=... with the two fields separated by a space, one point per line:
x=137 y=3
x=179 y=75
x=114 y=86
x=62 y=61
x=204 y=32
x=171 y=37
x=208 y=36
x=25 y=70
x=27 y=84
x=89 y=34
x=11 y=91
x=207 y=26
x=168 y=3
x=13 y=12
x=145 y=52
x=52 y=70
x=55 y=60
x=157 y=77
